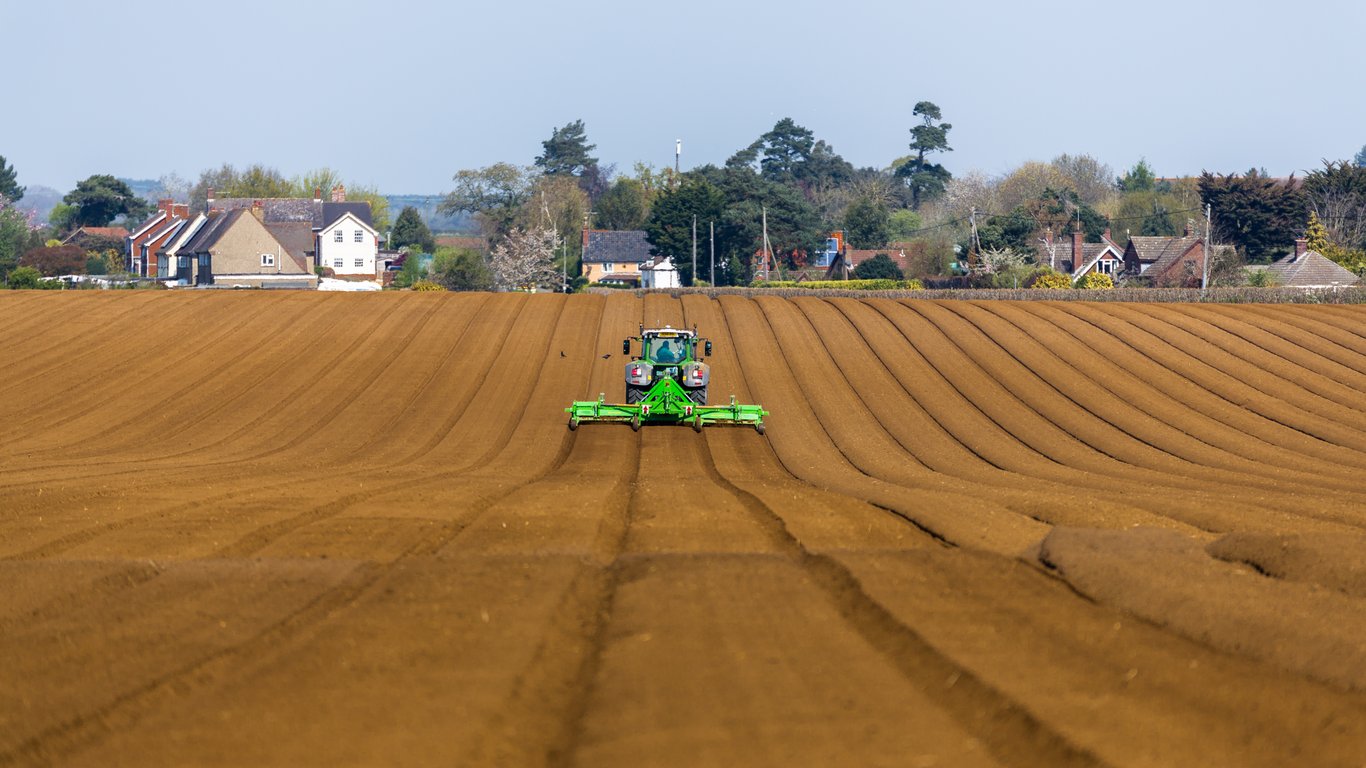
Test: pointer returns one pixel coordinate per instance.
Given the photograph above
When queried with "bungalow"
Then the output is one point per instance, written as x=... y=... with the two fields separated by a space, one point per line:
x=611 y=256
x=1078 y=258
x=1304 y=268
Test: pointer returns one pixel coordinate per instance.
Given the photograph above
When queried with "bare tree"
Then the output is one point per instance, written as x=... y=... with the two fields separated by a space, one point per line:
x=970 y=190
x=1092 y=180
x=525 y=259
x=993 y=261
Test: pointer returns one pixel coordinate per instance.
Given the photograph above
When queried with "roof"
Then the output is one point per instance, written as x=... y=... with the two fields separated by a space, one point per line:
x=165 y=229
x=1311 y=270
x=216 y=224
x=173 y=244
x=1150 y=250
x=148 y=223
x=1068 y=261
x=333 y=211
x=114 y=233
x=602 y=246
x=296 y=237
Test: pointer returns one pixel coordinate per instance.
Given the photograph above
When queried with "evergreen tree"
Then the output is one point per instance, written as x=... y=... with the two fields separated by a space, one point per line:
x=625 y=205
x=1317 y=234
x=411 y=231
x=9 y=186
x=101 y=198
x=1140 y=178
x=566 y=151
x=866 y=224
x=924 y=179
x=1260 y=215
x=880 y=267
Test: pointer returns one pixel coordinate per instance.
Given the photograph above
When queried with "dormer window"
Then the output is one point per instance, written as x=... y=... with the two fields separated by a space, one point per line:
x=336 y=235
x=267 y=259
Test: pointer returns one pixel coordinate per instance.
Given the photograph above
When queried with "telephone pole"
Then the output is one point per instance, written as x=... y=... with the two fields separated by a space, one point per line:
x=711 y=238
x=1209 y=248
x=694 y=248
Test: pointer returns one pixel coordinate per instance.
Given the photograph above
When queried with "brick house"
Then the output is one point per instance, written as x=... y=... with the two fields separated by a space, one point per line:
x=1074 y=257
x=142 y=244
x=1169 y=261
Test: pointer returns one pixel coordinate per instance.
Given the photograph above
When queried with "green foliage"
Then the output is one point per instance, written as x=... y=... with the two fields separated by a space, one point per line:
x=791 y=154
x=669 y=227
x=428 y=285
x=94 y=265
x=14 y=235
x=1261 y=216
x=258 y=181
x=1261 y=278
x=379 y=206
x=411 y=272
x=100 y=199
x=566 y=151
x=902 y=225
x=1316 y=234
x=1337 y=194
x=880 y=284
x=1050 y=280
x=9 y=186
x=1096 y=281
x=866 y=224
x=411 y=232
x=1140 y=178
x=625 y=205
x=460 y=269
x=880 y=267
x=24 y=278
x=1361 y=157
x=924 y=179
x=494 y=195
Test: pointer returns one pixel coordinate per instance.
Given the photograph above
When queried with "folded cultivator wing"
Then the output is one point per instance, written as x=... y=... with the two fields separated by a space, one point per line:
x=667 y=384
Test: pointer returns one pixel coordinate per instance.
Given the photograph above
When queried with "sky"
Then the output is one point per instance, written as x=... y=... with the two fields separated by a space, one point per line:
x=401 y=94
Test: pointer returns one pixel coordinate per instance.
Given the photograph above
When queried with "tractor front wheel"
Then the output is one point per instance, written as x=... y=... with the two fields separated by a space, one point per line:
x=573 y=423
x=635 y=423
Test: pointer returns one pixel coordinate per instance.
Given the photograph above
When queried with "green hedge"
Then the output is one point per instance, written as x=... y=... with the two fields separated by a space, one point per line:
x=844 y=285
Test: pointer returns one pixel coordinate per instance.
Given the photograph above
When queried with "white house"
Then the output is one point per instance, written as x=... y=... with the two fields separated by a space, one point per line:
x=348 y=246
x=659 y=272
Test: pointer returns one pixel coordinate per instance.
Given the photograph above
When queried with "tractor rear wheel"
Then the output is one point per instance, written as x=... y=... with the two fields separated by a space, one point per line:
x=635 y=394
x=698 y=396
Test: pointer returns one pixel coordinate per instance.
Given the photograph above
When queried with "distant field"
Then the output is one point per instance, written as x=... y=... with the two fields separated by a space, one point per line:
x=242 y=528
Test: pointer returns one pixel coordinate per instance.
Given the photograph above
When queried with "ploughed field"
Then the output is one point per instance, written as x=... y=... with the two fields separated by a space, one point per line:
x=294 y=528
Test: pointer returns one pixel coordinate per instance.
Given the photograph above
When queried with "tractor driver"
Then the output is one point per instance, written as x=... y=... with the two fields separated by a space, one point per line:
x=665 y=352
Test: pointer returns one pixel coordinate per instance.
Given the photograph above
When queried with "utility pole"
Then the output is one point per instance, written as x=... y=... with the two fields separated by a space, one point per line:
x=694 y=247
x=678 y=155
x=1208 y=249
x=711 y=238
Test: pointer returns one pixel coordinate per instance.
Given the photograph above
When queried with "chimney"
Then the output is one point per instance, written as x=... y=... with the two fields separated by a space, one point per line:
x=339 y=193
x=1106 y=235
x=208 y=204
x=1077 y=237
x=1190 y=226
x=1301 y=245
x=317 y=194
x=258 y=210
x=166 y=206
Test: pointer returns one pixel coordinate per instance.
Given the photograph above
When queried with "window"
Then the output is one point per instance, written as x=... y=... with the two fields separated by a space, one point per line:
x=336 y=236
x=337 y=263
x=267 y=259
x=360 y=238
x=607 y=267
x=360 y=262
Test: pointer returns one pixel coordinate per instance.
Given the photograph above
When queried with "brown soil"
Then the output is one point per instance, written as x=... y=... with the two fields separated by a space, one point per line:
x=282 y=529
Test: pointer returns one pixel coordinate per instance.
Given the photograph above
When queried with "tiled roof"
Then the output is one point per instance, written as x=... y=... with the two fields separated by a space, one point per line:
x=115 y=233
x=333 y=211
x=1312 y=270
x=297 y=239
x=621 y=247
x=208 y=235
x=1152 y=249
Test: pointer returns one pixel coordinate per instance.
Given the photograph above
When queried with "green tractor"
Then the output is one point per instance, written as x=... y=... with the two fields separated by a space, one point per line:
x=667 y=384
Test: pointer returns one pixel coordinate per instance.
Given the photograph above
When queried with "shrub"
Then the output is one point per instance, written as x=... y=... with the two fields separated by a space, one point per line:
x=1096 y=281
x=24 y=277
x=428 y=285
x=881 y=267
x=1051 y=281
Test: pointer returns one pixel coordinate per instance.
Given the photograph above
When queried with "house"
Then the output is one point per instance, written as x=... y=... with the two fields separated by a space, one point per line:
x=614 y=256
x=344 y=237
x=142 y=244
x=1303 y=268
x=659 y=272
x=1169 y=261
x=1077 y=258
x=238 y=249
x=96 y=237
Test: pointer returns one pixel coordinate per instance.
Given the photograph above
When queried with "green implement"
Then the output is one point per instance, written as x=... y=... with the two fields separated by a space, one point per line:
x=667 y=384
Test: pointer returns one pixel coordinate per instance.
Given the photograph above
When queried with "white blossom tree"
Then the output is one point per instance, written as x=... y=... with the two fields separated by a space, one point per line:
x=525 y=259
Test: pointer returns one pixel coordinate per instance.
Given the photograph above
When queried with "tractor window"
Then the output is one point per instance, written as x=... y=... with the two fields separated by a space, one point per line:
x=668 y=351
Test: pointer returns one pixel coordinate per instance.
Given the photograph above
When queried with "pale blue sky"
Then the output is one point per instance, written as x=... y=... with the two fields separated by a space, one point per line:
x=140 y=89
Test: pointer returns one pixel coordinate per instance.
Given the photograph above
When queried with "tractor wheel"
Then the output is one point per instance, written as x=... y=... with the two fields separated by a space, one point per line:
x=759 y=427
x=697 y=424
x=635 y=423
x=635 y=394
x=573 y=423
x=698 y=396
